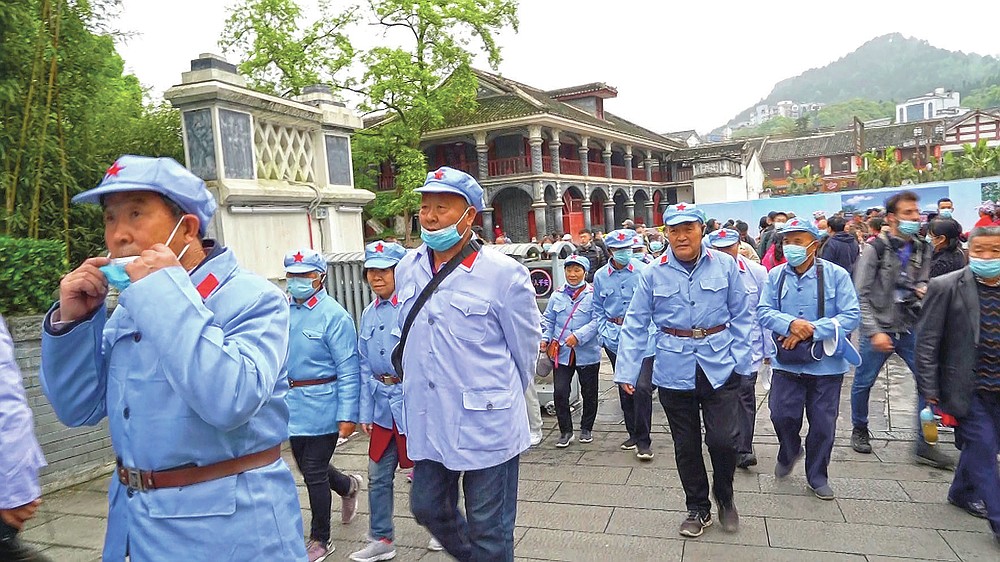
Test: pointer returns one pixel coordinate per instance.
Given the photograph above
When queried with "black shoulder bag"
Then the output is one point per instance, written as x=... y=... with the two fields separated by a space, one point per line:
x=397 y=354
x=810 y=350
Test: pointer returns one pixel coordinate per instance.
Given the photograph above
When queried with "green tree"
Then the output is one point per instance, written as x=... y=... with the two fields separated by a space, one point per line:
x=804 y=180
x=882 y=170
x=982 y=98
x=776 y=126
x=843 y=113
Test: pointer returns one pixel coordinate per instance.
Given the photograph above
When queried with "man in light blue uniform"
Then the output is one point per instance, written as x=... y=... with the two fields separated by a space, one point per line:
x=324 y=381
x=466 y=364
x=754 y=276
x=20 y=458
x=614 y=285
x=697 y=300
x=189 y=370
x=790 y=307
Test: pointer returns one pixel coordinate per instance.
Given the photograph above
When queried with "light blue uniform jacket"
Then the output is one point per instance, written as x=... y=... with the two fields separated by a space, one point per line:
x=381 y=404
x=798 y=300
x=322 y=342
x=188 y=370
x=582 y=324
x=20 y=455
x=755 y=277
x=469 y=357
x=712 y=294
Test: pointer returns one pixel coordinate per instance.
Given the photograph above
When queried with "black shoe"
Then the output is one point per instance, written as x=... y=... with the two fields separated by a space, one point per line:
x=14 y=550
x=644 y=453
x=564 y=440
x=860 y=440
x=747 y=460
x=932 y=456
x=975 y=509
x=783 y=470
x=586 y=436
x=695 y=524
x=628 y=444
x=729 y=518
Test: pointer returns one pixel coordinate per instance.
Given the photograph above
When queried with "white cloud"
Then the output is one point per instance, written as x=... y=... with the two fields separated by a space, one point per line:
x=858 y=199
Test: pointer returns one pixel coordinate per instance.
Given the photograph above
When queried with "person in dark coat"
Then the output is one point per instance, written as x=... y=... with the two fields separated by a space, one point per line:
x=943 y=234
x=842 y=247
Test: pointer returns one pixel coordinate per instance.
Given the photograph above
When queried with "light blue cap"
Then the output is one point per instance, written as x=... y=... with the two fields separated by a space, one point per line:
x=578 y=260
x=723 y=238
x=383 y=255
x=304 y=261
x=681 y=213
x=161 y=175
x=619 y=239
x=450 y=180
x=799 y=225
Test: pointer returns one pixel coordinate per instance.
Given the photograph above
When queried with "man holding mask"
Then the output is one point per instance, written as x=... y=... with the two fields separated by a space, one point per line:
x=467 y=355
x=189 y=370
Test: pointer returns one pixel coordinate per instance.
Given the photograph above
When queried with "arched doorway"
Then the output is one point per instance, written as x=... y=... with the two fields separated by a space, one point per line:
x=597 y=200
x=640 y=200
x=511 y=209
x=620 y=198
x=572 y=211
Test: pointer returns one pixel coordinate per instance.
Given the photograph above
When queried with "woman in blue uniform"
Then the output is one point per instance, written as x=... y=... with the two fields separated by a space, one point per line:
x=570 y=339
x=324 y=380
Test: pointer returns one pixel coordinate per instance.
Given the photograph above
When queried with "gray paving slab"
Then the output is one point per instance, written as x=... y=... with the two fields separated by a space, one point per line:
x=698 y=551
x=664 y=524
x=619 y=496
x=843 y=487
x=544 y=544
x=571 y=517
x=926 y=492
x=909 y=513
x=743 y=480
x=78 y=502
x=858 y=538
x=889 y=471
x=562 y=473
x=71 y=530
x=798 y=508
x=67 y=554
x=972 y=546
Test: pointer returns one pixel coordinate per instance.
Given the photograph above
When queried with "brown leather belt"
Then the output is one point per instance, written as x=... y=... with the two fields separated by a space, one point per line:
x=696 y=333
x=617 y=320
x=143 y=480
x=310 y=382
x=388 y=379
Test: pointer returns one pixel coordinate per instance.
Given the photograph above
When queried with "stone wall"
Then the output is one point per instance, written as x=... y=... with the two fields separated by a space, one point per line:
x=74 y=454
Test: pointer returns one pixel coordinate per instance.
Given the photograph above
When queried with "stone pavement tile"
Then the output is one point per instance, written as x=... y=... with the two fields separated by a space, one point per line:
x=573 y=473
x=927 y=492
x=889 y=471
x=787 y=507
x=664 y=524
x=910 y=514
x=71 y=530
x=563 y=516
x=97 y=485
x=535 y=490
x=858 y=538
x=619 y=496
x=408 y=533
x=876 y=558
x=745 y=481
x=77 y=502
x=859 y=488
x=544 y=544
x=66 y=554
x=973 y=546
x=699 y=551
x=548 y=454
x=624 y=458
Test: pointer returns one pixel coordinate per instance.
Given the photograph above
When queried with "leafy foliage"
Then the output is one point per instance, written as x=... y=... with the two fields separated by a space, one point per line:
x=29 y=274
x=804 y=180
x=982 y=98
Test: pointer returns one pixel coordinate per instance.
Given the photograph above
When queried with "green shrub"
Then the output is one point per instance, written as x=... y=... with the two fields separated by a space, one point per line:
x=29 y=274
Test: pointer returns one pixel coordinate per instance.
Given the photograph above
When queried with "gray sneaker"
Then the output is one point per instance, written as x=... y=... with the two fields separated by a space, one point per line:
x=349 y=503
x=824 y=492
x=564 y=440
x=931 y=455
x=695 y=523
x=375 y=551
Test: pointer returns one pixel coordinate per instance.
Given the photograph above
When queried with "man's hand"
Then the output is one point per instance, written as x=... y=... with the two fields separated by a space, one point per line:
x=83 y=290
x=367 y=428
x=802 y=329
x=571 y=341
x=543 y=346
x=346 y=428
x=790 y=342
x=160 y=256
x=882 y=343
x=19 y=515
x=920 y=292
x=629 y=389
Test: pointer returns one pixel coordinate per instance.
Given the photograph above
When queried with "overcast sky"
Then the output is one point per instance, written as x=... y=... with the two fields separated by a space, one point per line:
x=676 y=65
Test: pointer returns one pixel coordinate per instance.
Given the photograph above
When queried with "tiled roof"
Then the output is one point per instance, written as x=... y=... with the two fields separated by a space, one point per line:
x=581 y=89
x=681 y=134
x=734 y=150
x=842 y=142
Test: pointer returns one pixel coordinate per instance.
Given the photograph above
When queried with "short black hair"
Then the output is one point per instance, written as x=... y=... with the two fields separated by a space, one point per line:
x=836 y=224
x=771 y=214
x=894 y=201
x=945 y=200
x=782 y=213
x=585 y=231
x=876 y=224
x=742 y=226
x=945 y=226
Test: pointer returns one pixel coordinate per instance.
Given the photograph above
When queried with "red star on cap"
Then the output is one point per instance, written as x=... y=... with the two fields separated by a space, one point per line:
x=298 y=257
x=379 y=247
x=114 y=169
x=621 y=235
x=681 y=207
x=439 y=174
x=722 y=234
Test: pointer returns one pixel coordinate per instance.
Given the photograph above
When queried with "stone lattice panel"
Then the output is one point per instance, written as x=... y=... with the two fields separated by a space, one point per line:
x=283 y=153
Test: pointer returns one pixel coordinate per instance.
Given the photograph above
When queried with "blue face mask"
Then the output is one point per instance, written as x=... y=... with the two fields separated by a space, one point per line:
x=946 y=213
x=444 y=238
x=985 y=268
x=823 y=234
x=909 y=227
x=655 y=246
x=115 y=273
x=622 y=257
x=300 y=287
x=796 y=255
x=546 y=247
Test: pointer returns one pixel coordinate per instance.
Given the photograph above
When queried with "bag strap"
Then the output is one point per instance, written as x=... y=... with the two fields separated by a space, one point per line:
x=820 y=293
x=397 y=354
x=572 y=310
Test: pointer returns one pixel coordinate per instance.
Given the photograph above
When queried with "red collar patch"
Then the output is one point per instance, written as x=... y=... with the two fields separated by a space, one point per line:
x=313 y=300
x=467 y=262
x=207 y=285
x=663 y=259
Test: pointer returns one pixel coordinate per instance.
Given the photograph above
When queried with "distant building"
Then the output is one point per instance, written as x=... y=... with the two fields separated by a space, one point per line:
x=971 y=128
x=690 y=137
x=939 y=103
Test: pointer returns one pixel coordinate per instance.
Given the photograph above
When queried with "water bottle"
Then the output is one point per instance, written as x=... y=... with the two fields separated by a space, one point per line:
x=929 y=426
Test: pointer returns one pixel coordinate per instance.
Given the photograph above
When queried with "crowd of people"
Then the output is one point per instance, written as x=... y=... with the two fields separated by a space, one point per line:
x=204 y=369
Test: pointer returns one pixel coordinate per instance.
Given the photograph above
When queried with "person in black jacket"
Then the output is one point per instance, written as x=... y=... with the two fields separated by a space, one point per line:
x=841 y=247
x=943 y=234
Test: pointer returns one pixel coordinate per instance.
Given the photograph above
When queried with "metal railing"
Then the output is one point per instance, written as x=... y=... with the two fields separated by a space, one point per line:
x=345 y=281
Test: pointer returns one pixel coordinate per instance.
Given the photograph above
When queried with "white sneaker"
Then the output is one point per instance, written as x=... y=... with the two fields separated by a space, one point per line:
x=434 y=545
x=536 y=438
x=375 y=551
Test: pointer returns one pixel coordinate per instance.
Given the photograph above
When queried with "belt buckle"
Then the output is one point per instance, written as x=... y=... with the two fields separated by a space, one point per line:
x=698 y=333
x=134 y=477
x=386 y=379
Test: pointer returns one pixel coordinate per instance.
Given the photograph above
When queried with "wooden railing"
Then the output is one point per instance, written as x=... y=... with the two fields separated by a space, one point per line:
x=510 y=166
x=570 y=167
x=684 y=174
x=619 y=172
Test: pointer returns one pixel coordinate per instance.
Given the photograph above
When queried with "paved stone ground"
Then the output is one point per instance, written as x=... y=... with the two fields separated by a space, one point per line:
x=595 y=502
